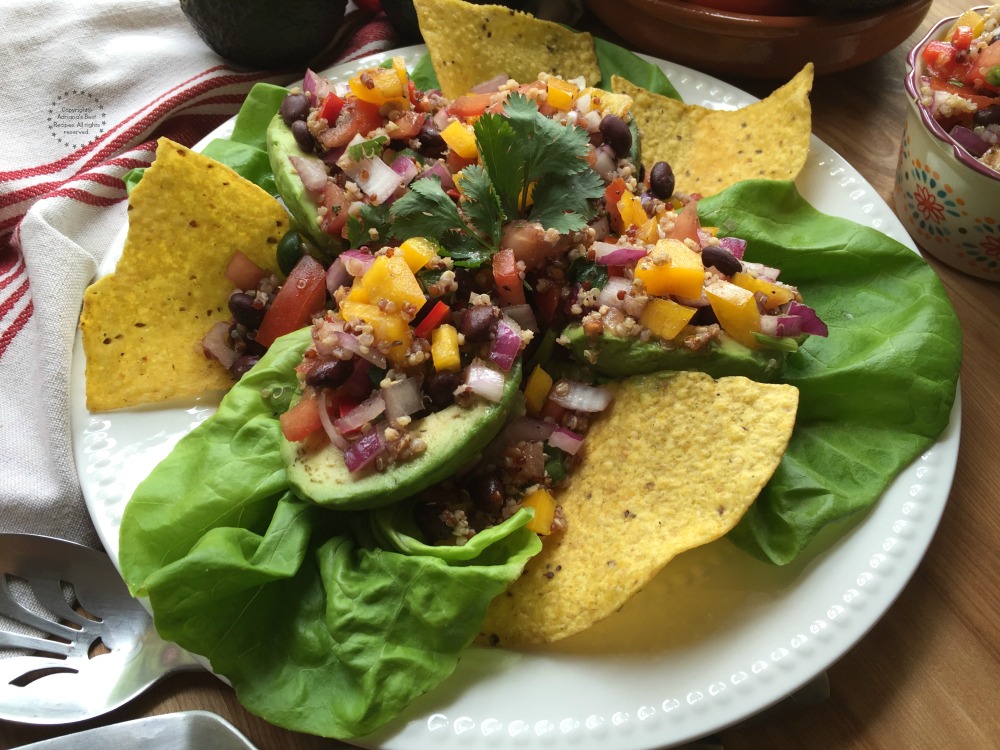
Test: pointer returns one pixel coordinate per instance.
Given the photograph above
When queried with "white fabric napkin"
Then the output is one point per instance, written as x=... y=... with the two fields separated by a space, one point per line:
x=87 y=89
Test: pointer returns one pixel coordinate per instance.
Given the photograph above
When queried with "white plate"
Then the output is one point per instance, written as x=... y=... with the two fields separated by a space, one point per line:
x=717 y=637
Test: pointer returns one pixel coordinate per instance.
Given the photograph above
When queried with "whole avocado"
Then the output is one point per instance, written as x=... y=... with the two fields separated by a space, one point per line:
x=265 y=33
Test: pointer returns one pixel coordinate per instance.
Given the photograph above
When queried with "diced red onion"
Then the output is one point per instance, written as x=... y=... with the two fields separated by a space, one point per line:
x=315 y=87
x=337 y=276
x=761 y=271
x=577 y=396
x=734 y=245
x=331 y=432
x=364 y=450
x=488 y=87
x=402 y=398
x=610 y=292
x=406 y=168
x=439 y=170
x=441 y=119
x=523 y=315
x=605 y=163
x=311 y=171
x=361 y=414
x=601 y=228
x=968 y=140
x=506 y=345
x=484 y=381
x=566 y=440
x=216 y=344
x=376 y=179
x=350 y=342
x=357 y=262
x=243 y=272
x=780 y=325
x=607 y=254
x=810 y=320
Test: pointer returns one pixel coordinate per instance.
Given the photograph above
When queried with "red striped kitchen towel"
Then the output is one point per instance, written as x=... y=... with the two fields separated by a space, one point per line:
x=88 y=89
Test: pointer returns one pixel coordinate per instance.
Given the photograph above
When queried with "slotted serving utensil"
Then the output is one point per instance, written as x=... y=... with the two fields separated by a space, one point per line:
x=83 y=645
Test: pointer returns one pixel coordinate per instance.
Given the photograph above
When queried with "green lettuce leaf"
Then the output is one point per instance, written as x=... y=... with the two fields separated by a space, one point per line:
x=874 y=394
x=318 y=627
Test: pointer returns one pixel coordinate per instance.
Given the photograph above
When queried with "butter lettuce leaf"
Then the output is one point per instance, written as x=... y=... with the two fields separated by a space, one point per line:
x=874 y=394
x=318 y=627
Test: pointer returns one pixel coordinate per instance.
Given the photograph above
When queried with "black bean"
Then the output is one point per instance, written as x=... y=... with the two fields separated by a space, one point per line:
x=704 y=316
x=478 y=322
x=427 y=517
x=294 y=107
x=431 y=142
x=661 y=180
x=330 y=374
x=617 y=135
x=486 y=492
x=246 y=309
x=440 y=389
x=242 y=365
x=303 y=136
x=723 y=260
x=987 y=116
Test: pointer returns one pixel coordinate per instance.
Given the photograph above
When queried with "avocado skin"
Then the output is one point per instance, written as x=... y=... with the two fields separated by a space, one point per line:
x=455 y=437
x=265 y=33
x=281 y=145
x=621 y=357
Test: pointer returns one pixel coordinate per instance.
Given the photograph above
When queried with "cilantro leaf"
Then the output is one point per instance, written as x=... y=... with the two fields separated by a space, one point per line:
x=481 y=203
x=564 y=203
x=367 y=149
x=370 y=217
x=500 y=155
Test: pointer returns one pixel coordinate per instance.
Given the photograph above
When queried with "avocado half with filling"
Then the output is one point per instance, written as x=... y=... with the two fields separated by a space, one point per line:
x=455 y=436
x=620 y=357
x=281 y=146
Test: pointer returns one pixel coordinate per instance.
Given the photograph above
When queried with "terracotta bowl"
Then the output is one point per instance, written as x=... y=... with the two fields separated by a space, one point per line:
x=762 y=46
x=948 y=201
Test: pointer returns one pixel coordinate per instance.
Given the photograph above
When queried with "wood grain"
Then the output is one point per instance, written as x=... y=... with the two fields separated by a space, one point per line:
x=927 y=675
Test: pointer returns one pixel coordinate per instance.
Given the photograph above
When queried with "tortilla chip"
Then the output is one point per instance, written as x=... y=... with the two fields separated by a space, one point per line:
x=711 y=149
x=674 y=464
x=142 y=325
x=469 y=44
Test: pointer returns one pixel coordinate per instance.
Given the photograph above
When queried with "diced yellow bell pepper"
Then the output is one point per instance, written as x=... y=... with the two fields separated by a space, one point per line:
x=444 y=348
x=536 y=390
x=545 y=510
x=606 y=102
x=631 y=210
x=777 y=295
x=357 y=293
x=417 y=251
x=671 y=268
x=388 y=328
x=562 y=94
x=399 y=65
x=736 y=309
x=649 y=232
x=390 y=279
x=969 y=18
x=460 y=139
x=379 y=86
x=665 y=318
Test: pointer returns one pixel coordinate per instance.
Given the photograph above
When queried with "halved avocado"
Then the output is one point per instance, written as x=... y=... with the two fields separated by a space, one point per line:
x=281 y=145
x=454 y=436
x=621 y=357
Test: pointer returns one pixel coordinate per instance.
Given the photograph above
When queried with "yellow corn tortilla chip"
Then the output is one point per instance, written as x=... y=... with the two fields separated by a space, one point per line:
x=673 y=464
x=711 y=149
x=142 y=325
x=469 y=44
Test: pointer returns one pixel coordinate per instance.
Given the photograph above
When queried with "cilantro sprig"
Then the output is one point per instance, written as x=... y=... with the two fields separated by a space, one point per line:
x=533 y=168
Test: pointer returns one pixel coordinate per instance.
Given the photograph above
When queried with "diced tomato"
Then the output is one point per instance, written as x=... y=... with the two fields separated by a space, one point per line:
x=437 y=315
x=302 y=294
x=618 y=271
x=337 y=205
x=411 y=91
x=243 y=272
x=509 y=285
x=687 y=224
x=469 y=105
x=962 y=38
x=408 y=125
x=547 y=302
x=978 y=99
x=331 y=109
x=941 y=59
x=612 y=194
x=456 y=163
x=553 y=411
x=356 y=117
x=303 y=419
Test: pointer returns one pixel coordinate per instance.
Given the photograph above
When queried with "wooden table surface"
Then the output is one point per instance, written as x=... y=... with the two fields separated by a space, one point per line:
x=928 y=674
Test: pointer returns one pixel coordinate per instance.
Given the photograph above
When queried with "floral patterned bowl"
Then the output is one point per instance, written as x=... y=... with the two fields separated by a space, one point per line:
x=948 y=201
